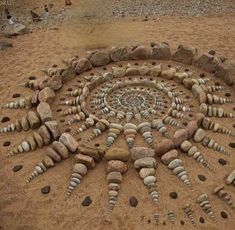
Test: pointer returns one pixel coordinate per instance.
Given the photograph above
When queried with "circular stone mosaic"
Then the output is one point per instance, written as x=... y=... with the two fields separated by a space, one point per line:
x=172 y=105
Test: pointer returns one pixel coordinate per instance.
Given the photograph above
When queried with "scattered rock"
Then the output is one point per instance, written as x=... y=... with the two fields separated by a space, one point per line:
x=46 y=189
x=173 y=195
x=133 y=201
x=87 y=201
x=202 y=220
x=222 y=161
x=224 y=214
x=201 y=177
x=17 y=168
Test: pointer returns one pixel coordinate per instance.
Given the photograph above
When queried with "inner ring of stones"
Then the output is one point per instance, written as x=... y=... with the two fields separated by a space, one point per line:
x=145 y=87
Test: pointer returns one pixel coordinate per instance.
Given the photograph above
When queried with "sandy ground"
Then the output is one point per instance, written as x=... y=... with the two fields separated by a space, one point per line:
x=23 y=207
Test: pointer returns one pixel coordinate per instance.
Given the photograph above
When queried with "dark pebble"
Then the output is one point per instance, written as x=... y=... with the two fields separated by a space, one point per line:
x=201 y=177
x=228 y=94
x=6 y=143
x=202 y=75
x=17 y=168
x=182 y=222
x=5 y=119
x=46 y=189
x=149 y=221
x=222 y=161
x=211 y=52
x=164 y=222
x=32 y=78
x=133 y=201
x=15 y=95
x=152 y=44
x=217 y=83
x=232 y=145
x=173 y=195
x=87 y=201
x=202 y=220
x=224 y=215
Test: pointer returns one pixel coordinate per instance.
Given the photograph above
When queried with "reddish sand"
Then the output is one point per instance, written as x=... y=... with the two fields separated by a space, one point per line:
x=23 y=207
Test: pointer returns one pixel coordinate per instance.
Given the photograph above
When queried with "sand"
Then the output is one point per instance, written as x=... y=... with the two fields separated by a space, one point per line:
x=23 y=207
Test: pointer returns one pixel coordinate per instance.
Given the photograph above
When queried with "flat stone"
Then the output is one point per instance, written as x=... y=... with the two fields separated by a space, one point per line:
x=46 y=189
x=133 y=201
x=184 y=55
x=80 y=169
x=86 y=160
x=38 y=139
x=53 y=154
x=69 y=142
x=144 y=172
x=179 y=136
x=17 y=168
x=83 y=65
x=141 y=152
x=44 y=112
x=114 y=177
x=191 y=128
x=169 y=156
x=230 y=178
x=33 y=119
x=53 y=129
x=46 y=95
x=116 y=166
x=147 y=162
x=117 y=154
x=48 y=162
x=61 y=149
x=199 y=135
x=175 y=163
x=164 y=146
x=87 y=201
x=196 y=90
x=44 y=133
x=185 y=146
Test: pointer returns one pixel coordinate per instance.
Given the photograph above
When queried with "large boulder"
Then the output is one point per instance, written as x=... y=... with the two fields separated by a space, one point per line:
x=83 y=65
x=184 y=55
x=119 y=54
x=226 y=72
x=161 y=52
x=100 y=58
x=139 y=53
x=207 y=62
x=15 y=30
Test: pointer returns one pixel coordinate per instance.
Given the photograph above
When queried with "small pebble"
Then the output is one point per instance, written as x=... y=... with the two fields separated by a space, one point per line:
x=46 y=189
x=182 y=222
x=87 y=201
x=224 y=215
x=201 y=177
x=173 y=195
x=232 y=144
x=133 y=201
x=202 y=220
x=211 y=52
x=222 y=161
x=17 y=168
